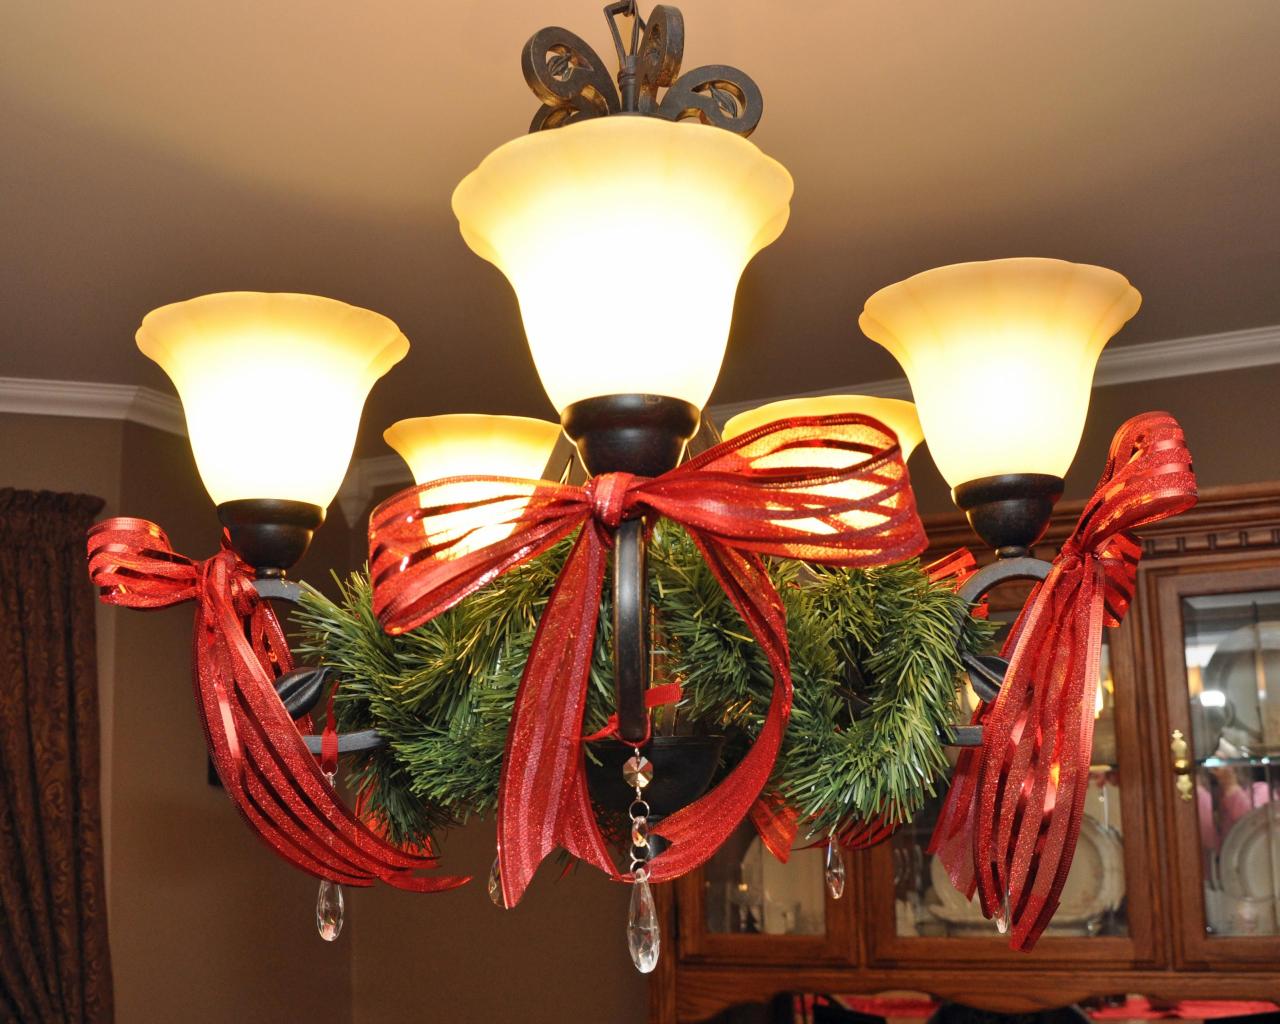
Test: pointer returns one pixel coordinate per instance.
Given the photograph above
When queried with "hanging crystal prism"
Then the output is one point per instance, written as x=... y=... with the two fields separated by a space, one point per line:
x=643 y=937
x=835 y=871
x=329 y=910
x=495 y=886
x=1002 y=914
x=330 y=904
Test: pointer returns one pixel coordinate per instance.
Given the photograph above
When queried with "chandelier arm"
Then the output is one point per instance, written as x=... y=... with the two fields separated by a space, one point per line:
x=986 y=672
x=631 y=629
x=300 y=690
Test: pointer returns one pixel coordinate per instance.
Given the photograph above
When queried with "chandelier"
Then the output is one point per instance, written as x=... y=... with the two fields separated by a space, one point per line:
x=782 y=519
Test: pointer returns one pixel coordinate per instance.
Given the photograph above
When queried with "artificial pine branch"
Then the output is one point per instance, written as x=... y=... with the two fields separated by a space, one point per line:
x=442 y=694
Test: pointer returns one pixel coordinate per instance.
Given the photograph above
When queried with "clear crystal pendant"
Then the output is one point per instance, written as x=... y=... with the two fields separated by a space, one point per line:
x=1002 y=914
x=835 y=872
x=643 y=938
x=495 y=886
x=329 y=901
x=329 y=908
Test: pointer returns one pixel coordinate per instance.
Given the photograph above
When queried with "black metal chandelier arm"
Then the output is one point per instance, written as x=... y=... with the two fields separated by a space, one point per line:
x=301 y=690
x=987 y=671
x=631 y=629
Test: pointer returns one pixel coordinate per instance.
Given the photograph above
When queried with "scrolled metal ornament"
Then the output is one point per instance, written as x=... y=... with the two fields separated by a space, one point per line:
x=716 y=95
x=657 y=62
x=568 y=76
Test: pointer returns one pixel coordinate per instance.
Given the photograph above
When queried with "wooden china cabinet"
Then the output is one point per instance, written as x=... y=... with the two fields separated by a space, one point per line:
x=1175 y=889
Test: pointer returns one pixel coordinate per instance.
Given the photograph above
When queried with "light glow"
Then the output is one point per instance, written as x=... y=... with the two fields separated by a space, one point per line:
x=1000 y=356
x=436 y=447
x=624 y=238
x=898 y=416
x=272 y=386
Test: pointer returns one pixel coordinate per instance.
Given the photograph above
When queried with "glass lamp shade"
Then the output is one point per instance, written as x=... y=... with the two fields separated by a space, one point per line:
x=1000 y=356
x=624 y=238
x=312 y=360
x=898 y=416
x=436 y=447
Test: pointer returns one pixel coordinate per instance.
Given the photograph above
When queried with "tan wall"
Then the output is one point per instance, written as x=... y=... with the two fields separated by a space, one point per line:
x=561 y=955
x=1232 y=422
x=205 y=924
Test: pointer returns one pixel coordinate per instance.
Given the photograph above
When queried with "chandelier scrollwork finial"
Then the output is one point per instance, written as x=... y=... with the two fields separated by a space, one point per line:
x=568 y=76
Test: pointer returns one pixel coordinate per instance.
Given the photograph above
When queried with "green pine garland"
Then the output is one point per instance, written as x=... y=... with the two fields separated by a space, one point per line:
x=886 y=640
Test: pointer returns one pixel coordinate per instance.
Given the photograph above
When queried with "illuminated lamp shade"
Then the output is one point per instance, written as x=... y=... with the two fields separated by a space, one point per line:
x=898 y=416
x=272 y=385
x=624 y=238
x=436 y=447
x=1000 y=356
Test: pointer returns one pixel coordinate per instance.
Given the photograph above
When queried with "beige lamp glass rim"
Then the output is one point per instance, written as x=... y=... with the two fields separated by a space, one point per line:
x=412 y=436
x=469 y=208
x=872 y=320
x=895 y=413
x=383 y=340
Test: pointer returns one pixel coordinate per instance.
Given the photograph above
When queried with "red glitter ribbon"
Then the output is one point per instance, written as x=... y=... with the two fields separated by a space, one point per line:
x=737 y=503
x=1011 y=820
x=265 y=767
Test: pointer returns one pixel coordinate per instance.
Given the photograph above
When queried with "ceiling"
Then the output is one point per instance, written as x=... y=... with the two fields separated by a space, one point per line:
x=152 y=151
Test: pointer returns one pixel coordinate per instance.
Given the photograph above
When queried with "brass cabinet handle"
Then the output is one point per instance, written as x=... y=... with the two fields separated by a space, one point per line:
x=1182 y=767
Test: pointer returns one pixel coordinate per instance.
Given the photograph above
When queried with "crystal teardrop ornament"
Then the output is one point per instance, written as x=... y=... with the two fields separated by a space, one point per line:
x=495 y=886
x=1002 y=915
x=329 y=909
x=643 y=938
x=835 y=873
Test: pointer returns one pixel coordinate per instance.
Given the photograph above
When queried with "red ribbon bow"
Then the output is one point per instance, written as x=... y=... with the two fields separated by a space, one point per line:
x=1011 y=820
x=265 y=767
x=737 y=503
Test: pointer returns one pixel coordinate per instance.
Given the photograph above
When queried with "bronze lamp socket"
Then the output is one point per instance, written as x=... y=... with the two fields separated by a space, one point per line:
x=270 y=534
x=1010 y=512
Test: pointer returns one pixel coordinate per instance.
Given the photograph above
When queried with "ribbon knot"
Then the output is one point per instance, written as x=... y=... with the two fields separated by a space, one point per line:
x=1012 y=817
x=608 y=494
x=737 y=504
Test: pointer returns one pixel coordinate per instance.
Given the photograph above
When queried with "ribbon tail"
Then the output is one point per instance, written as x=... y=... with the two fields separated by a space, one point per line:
x=697 y=831
x=542 y=798
x=267 y=770
x=776 y=824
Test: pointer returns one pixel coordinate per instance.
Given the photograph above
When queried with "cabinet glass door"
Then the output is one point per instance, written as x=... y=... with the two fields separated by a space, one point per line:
x=1093 y=899
x=1220 y=760
x=1104 y=912
x=1232 y=656
x=745 y=904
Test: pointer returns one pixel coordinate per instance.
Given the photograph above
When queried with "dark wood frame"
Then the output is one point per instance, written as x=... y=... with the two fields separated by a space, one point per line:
x=1231 y=532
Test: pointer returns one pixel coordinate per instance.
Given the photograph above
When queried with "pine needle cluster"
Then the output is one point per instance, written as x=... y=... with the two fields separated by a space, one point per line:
x=875 y=659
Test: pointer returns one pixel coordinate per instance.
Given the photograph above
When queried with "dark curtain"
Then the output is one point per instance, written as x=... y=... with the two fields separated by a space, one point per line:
x=54 y=964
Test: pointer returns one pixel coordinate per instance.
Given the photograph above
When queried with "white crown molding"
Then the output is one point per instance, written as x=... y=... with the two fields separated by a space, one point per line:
x=90 y=400
x=1156 y=360
x=1178 y=357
